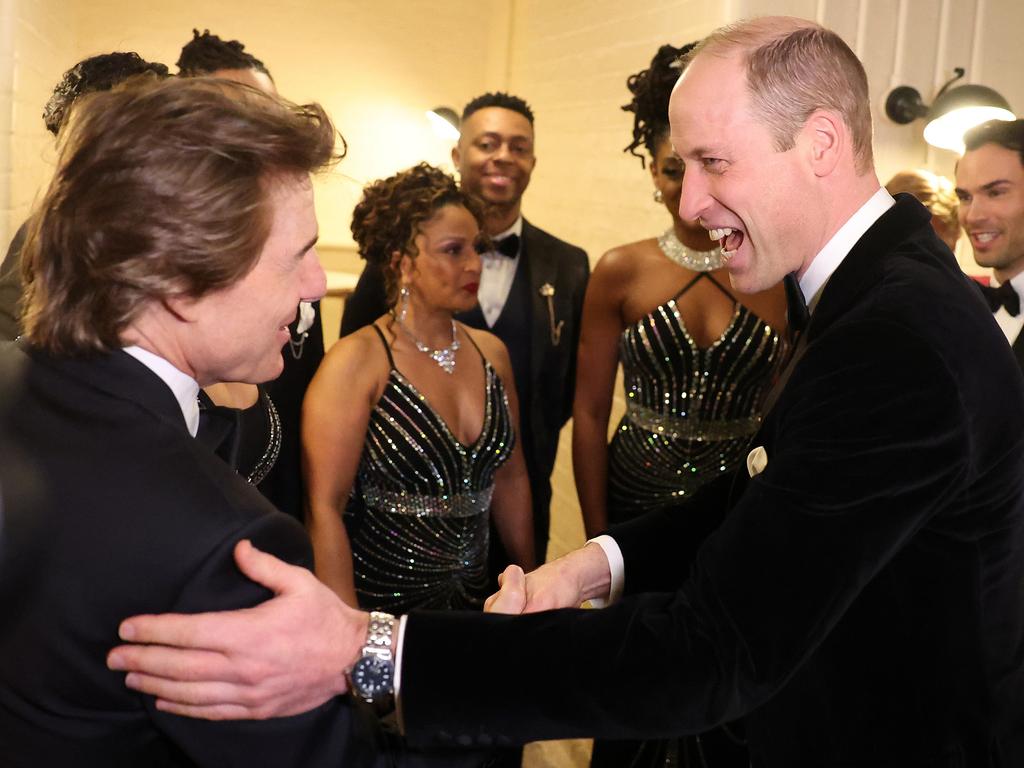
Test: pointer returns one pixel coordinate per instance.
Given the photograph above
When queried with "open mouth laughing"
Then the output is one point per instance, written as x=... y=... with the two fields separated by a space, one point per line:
x=729 y=240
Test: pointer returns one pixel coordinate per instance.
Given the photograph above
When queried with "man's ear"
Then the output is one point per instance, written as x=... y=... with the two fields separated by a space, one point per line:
x=457 y=157
x=827 y=139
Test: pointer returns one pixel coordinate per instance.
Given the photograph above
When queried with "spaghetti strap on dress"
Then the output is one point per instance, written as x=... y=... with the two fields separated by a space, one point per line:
x=417 y=515
x=690 y=411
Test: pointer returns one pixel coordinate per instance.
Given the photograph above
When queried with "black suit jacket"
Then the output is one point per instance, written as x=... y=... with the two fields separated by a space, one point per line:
x=565 y=268
x=1018 y=344
x=137 y=517
x=861 y=604
x=11 y=286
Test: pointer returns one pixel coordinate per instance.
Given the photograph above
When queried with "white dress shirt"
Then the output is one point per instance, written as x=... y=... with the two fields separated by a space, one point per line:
x=496 y=276
x=1010 y=325
x=184 y=387
x=820 y=270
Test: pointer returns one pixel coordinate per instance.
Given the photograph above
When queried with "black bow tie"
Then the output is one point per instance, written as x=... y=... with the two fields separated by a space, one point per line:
x=1003 y=296
x=796 y=306
x=508 y=246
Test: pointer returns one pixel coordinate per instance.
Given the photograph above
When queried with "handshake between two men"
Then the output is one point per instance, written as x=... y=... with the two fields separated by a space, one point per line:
x=289 y=654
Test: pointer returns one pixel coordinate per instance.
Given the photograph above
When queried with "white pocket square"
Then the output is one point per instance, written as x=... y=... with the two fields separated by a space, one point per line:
x=757 y=460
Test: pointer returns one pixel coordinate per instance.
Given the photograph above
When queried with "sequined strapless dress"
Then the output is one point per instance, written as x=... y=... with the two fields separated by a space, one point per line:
x=690 y=412
x=417 y=516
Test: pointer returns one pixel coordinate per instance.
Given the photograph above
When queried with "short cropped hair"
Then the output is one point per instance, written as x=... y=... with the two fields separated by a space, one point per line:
x=498 y=99
x=1008 y=134
x=793 y=68
x=97 y=73
x=206 y=53
x=161 y=190
x=391 y=212
x=936 y=193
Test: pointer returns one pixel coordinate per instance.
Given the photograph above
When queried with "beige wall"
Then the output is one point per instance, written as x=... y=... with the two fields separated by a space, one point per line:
x=35 y=38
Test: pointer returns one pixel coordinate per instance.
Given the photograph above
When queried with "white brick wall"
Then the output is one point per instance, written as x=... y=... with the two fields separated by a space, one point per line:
x=38 y=45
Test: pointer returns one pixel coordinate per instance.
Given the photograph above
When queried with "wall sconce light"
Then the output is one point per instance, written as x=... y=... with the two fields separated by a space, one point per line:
x=445 y=122
x=953 y=112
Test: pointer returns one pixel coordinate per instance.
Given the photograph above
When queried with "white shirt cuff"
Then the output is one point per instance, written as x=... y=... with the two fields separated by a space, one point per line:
x=398 y=672
x=616 y=566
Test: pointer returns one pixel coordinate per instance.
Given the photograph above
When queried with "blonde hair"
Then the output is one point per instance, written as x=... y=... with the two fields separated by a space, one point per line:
x=793 y=68
x=935 y=192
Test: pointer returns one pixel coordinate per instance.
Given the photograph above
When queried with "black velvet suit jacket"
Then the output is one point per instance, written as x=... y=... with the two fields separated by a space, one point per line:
x=552 y=367
x=862 y=602
x=129 y=514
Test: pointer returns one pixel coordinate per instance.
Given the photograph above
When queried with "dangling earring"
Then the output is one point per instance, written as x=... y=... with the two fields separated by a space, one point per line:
x=658 y=197
x=403 y=303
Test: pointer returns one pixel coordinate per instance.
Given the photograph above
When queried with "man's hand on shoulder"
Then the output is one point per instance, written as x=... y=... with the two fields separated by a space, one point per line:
x=567 y=582
x=282 y=657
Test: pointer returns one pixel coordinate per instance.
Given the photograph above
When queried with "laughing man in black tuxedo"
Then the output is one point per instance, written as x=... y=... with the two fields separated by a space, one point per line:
x=531 y=290
x=990 y=185
x=860 y=598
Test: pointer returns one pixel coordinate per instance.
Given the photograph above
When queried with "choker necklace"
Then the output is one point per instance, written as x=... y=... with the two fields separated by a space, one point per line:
x=444 y=357
x=698 y=261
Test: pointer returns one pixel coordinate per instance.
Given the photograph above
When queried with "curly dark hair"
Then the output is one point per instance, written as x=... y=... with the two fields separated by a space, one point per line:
x=392 y=210
x=498 y=99
x=206 y=53
x=97 y=73
x=651 y=89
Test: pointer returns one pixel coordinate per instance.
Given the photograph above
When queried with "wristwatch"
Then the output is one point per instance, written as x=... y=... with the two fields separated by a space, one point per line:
x=372 y=677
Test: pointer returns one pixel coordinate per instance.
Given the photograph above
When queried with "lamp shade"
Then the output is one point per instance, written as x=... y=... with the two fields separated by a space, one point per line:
x=445 y=122
x=958 y=109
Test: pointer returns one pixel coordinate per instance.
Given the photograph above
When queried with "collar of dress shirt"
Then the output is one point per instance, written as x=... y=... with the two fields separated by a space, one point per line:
x=841 y=243
x=1017 y=281
x=515 y=229
x=184 y=387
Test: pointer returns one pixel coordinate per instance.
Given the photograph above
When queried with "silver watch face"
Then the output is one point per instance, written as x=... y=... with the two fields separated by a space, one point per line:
x=373 y=677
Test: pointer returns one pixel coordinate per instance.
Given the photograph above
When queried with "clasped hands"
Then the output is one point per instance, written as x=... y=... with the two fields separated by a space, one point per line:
x=563 y=583
x=289 y=654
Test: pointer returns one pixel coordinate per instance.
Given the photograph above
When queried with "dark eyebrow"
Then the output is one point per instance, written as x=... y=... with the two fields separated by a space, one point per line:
x=993 y=184
x=502 y=137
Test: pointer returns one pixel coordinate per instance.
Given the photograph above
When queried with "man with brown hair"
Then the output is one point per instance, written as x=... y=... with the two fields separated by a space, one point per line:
x=96 y=73
x=170 y=251
x=860 y=601
x=990 y=185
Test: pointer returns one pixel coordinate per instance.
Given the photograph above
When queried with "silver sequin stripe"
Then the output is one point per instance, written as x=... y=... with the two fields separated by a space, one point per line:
x=688 y=428
x=273 y=450
x=422 y=505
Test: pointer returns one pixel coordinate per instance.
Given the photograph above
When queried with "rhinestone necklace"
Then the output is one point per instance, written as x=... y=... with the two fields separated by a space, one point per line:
x=698 y=261
x=444 y=357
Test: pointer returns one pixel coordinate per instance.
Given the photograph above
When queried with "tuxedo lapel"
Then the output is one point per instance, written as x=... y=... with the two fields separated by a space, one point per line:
x=863 y=266
x=542 y=271
x=1018 y=349
x=858 y=273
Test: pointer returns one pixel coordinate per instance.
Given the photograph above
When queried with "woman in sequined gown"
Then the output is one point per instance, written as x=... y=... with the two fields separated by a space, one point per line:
x=409 y=426
x=697 y=361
